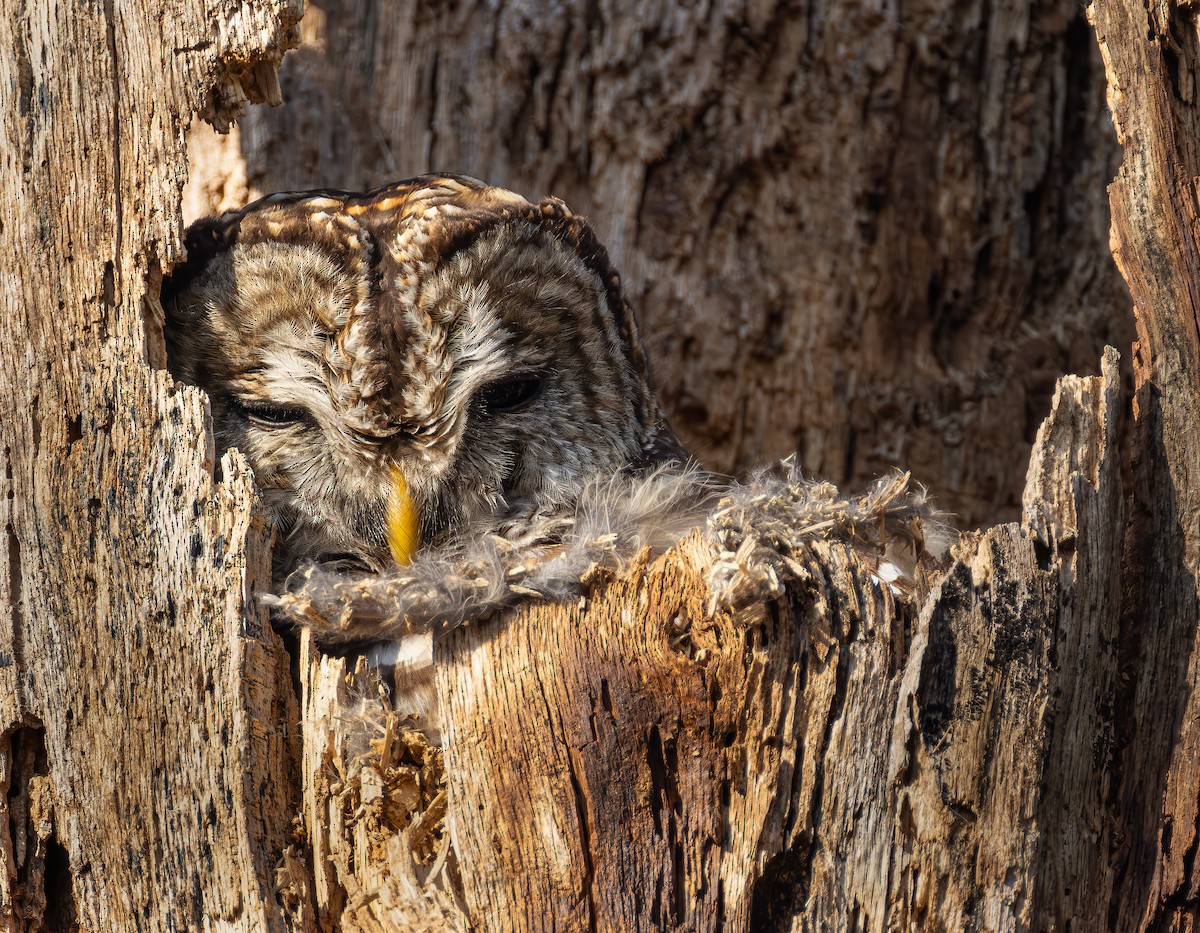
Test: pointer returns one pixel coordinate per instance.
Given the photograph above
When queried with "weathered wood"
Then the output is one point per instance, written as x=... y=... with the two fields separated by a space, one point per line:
x=374 y=807
x=637 y=762
x=1151 y=53
x=870 y=233
x=146 y=739
x=1075 y=514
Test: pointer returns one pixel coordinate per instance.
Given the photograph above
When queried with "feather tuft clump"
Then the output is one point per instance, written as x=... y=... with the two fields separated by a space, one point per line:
x=615 y=518
x=756 y=526
x=893 y=528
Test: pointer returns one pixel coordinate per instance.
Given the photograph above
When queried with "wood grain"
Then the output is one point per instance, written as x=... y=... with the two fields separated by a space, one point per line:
x=1151 y=54
x=147 y=717
x=1010 y=748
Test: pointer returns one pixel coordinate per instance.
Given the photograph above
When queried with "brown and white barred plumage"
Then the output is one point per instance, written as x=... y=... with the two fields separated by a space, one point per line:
x=340 y=334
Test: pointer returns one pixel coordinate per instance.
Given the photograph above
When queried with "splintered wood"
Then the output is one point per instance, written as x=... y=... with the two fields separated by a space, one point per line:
x=1009 y=744
x=374 y=808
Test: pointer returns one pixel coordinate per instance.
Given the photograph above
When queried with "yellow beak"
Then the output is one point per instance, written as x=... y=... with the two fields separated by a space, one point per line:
x=403 y=524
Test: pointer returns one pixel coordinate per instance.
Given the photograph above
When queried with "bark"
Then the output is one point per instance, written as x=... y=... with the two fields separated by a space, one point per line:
x=868 y=234
x=1012 y=747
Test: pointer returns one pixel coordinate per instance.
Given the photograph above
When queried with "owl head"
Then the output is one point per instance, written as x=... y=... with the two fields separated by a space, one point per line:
x=438 y=346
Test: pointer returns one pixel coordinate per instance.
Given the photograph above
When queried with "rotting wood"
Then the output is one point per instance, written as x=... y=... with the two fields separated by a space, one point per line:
x=635 y=762
x=374 y=807
x=146 y=710
x=1152 y=57
x=1007 y=753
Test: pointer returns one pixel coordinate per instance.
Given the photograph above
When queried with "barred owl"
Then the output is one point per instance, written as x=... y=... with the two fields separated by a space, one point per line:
x=435 y=348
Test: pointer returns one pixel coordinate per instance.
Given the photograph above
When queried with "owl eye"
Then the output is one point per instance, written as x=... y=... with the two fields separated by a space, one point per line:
x=269 y=415
x=509 y=395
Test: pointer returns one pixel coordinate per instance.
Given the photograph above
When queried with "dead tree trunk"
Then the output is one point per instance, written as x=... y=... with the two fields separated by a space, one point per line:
x=1152 y=56
x=146 y=712
x=833 y=758
x=1014 y=750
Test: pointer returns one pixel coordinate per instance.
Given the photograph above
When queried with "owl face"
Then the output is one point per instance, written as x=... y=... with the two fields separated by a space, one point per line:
x=453 y=335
